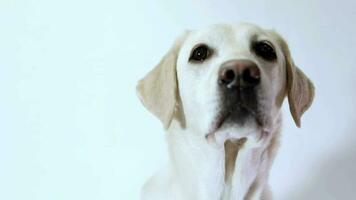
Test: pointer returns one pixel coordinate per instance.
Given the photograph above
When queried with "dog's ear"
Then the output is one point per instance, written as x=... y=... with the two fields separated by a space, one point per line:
x=300 y=89
x=158 y=90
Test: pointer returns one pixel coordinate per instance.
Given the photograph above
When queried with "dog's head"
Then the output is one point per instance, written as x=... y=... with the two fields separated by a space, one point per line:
x=225 y=80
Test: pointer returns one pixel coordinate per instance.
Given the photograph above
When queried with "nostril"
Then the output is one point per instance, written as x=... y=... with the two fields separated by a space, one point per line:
x=251 y=76
x=229 y=75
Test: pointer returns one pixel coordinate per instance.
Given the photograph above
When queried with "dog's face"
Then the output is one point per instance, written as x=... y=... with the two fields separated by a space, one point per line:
x=227 y=82
x=231 y=78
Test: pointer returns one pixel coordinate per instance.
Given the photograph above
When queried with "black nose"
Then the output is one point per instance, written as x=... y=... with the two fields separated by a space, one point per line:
x=239 y=74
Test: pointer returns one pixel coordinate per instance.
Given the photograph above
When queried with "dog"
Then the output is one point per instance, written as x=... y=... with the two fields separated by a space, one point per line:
x=218 y=93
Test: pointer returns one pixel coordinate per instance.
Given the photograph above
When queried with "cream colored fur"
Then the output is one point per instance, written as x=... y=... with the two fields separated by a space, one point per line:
x=234 y=163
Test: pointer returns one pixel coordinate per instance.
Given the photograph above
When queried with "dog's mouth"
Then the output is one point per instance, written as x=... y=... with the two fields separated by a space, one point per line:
x=237 y=114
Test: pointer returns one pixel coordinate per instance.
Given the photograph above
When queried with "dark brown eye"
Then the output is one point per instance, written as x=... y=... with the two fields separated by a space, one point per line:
x=265 y=50
x=200 y=53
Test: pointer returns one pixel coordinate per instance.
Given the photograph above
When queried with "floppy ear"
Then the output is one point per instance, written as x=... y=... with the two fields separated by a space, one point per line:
x=299 y=88
x=158 y=90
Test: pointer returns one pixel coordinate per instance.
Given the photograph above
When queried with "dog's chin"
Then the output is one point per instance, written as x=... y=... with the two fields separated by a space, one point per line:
x=236 y=125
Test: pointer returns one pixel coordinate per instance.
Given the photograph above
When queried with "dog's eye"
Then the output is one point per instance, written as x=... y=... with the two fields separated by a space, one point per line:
x=200 y=53
x=265 y=50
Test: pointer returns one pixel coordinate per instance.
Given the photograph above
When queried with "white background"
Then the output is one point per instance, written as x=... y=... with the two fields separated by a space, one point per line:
x=71 y=126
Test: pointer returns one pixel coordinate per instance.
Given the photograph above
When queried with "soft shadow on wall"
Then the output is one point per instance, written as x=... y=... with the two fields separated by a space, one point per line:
x=333 y=177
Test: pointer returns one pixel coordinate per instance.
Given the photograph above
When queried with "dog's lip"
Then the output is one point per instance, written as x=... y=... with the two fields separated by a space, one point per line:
x=220 y=119
x=218 y=122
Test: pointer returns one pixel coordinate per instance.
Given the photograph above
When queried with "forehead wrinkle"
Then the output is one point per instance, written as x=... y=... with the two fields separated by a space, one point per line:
x=214 y=36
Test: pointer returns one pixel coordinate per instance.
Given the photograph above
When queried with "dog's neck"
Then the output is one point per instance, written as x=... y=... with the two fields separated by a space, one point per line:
x=201 y=170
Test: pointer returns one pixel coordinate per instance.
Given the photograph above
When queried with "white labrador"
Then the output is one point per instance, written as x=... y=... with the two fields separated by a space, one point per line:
x=218 y=93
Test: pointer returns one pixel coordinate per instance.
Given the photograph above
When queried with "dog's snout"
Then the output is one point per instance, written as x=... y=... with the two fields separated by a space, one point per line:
x=239 y=74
